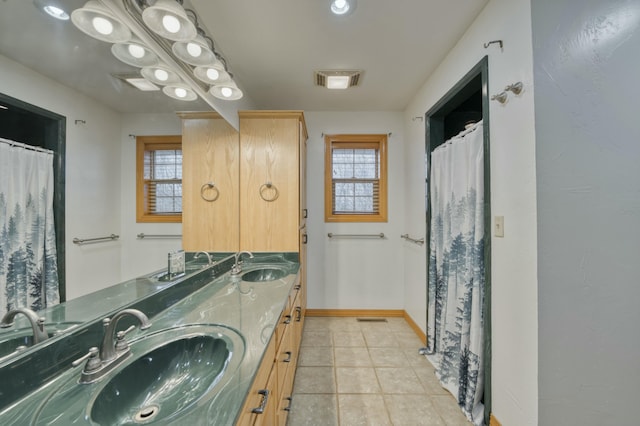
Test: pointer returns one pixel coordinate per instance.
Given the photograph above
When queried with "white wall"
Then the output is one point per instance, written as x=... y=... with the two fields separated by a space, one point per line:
x=140 y=257
x=586 y=70
x=354 y=273
x=513 y=195
x=92 y=174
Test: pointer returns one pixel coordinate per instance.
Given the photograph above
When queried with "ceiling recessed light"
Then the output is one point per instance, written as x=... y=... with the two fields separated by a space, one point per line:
x=56 y=12
x=342 y=7
x=54 y=8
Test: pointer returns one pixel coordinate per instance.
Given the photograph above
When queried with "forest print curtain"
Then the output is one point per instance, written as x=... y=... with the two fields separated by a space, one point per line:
x=456 y=269
x=28 y=272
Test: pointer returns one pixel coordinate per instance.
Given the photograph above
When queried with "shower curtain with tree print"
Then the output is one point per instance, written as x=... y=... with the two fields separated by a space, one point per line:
x=456 y=269
x=28 y=271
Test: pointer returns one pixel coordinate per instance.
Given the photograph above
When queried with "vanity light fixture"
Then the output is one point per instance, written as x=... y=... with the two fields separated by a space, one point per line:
x=342 y=7
x=168 y=19
x=228 y=91
x=160 y=74
x=165 y=41
x=98 y=22
x=134 y=53
x=180 y=91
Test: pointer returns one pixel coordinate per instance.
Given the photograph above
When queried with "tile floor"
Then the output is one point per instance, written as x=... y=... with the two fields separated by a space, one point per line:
x=354 y=373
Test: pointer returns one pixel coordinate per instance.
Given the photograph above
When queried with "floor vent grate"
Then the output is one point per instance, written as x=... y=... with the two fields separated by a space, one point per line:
x=371 y=319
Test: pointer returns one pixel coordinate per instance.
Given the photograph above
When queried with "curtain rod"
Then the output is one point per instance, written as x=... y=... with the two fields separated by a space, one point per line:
x=26 y=146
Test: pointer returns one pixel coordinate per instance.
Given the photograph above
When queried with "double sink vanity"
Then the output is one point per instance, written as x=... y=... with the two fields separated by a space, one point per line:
x=215 y=346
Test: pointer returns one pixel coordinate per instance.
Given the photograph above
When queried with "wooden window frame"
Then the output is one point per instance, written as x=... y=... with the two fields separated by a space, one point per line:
x=146 y=143
x=366 y=141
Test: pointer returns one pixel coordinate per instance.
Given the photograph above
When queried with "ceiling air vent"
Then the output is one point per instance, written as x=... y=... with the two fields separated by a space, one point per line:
x=337 y=79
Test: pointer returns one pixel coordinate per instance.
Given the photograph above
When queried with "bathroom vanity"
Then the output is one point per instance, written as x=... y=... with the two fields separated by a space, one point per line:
x=221 y=350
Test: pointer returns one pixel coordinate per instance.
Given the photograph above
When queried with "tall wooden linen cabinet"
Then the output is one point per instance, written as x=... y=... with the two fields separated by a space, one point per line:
x=246 y=190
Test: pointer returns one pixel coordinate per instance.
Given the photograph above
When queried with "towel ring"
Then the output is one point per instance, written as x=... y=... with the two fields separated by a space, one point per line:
x=268 y=192
x=209 y=185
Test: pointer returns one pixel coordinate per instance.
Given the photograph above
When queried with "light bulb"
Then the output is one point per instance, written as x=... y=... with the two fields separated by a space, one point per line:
x=102 y=25
x=180 y=92
x=194 y=49
x=171 y=23
x=213 y=74
x=136 y=51
x=226 y=92
x=161 y=75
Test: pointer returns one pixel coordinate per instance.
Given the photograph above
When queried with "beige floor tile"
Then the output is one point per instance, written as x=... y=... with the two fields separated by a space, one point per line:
x=316 y=356
x=388 y=357
x=399 y=380
x=415 y=358
x=316 y=338
x=448 y=409
x=352 y=357
x=316 y=323
x=356 y=380
x=412 y=410
x=426 y=375
x=314 y=380
x=343 y=324
x=362 y=410
x=348 y=338
x=313 y=410
x=408 y=340
x=380 y=339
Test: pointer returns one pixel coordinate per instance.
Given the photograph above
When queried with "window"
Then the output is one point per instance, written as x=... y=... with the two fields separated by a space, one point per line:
x=355 y=178
x=159 y=178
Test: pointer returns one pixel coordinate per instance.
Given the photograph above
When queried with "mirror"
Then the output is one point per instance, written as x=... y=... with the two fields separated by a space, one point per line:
x=75 y=65
x=67 y=317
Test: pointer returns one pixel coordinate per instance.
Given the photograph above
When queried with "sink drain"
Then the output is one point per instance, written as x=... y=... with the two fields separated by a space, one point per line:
x=147 y=413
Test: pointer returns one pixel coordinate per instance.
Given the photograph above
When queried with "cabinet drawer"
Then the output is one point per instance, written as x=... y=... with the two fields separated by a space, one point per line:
x=264 y=380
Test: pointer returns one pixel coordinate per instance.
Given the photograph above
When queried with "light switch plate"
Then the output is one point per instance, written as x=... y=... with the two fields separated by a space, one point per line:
x=499 y=226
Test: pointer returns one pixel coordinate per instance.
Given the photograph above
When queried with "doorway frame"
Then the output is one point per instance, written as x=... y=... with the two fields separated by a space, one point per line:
x=54 y=140
x=434 y=137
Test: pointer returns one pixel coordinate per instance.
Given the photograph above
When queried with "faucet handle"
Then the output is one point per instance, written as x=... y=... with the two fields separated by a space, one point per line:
x=93 y=361
x=121 y=343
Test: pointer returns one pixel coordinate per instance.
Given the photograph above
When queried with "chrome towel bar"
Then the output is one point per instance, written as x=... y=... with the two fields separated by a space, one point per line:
x=142 y=236
x=332 y=235
x=81 y=241
x=413 y=240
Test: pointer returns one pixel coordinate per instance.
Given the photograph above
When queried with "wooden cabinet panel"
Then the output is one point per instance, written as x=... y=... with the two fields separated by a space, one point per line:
x=265 y=380
x=210 y=154
x=269 y=146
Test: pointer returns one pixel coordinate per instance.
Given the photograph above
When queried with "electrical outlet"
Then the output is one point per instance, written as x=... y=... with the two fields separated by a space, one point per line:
x=499 y=226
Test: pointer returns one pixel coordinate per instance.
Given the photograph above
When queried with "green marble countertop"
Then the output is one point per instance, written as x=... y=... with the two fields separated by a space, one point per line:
x=250 y=308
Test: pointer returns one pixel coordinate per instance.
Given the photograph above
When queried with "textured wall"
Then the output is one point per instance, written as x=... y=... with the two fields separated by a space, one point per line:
x=586 y=66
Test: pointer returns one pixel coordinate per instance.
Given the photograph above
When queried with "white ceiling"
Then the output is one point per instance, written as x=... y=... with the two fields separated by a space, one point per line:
x=272 y=48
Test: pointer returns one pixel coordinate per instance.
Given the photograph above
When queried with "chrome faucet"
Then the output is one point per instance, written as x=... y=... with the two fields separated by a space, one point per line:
x=37 y=323
x=209 y=262
x=237 y=266
x=114 y=348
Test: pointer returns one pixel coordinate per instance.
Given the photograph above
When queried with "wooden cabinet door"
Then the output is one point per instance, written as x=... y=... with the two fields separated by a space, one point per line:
x=210 y=155
x=269 y=181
